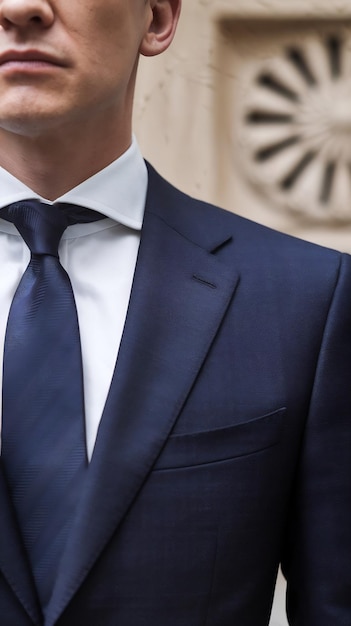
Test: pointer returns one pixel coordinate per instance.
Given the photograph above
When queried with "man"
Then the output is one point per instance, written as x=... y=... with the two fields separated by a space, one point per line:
x=219 y=444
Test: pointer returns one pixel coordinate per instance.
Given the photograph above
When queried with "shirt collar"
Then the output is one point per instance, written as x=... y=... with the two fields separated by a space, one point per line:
x=118 y=191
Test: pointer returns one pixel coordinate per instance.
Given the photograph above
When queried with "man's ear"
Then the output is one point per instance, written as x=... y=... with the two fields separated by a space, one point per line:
x=162 y=27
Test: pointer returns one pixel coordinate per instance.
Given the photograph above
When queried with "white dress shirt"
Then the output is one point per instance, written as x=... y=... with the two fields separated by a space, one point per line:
x=100 y=259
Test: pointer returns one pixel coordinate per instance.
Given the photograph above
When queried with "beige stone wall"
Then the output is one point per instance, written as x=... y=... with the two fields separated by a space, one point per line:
x=202 y=109
x=251 y=109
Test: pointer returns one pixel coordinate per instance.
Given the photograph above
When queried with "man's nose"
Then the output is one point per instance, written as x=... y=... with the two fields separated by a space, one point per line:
x=24 y=13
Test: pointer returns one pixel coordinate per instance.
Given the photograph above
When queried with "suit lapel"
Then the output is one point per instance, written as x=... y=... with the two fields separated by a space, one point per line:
x=13 y=562
x=179 y=296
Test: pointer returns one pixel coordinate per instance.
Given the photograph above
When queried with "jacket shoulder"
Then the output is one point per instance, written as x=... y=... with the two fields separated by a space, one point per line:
x=202 y=221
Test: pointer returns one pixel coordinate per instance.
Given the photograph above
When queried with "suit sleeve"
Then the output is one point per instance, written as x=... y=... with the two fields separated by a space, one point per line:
x=317 y=562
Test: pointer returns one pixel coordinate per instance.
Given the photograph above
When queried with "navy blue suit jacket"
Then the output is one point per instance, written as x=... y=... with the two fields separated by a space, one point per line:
x=225 y=444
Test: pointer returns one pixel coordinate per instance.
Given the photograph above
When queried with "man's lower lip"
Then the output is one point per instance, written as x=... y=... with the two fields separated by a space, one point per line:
x=27 y=66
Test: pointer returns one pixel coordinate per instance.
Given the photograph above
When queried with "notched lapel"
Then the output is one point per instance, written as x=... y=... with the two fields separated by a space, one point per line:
x=180 y=294
x=13 y=562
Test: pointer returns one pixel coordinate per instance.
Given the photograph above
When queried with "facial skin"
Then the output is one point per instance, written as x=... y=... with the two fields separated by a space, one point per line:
x=68 y=68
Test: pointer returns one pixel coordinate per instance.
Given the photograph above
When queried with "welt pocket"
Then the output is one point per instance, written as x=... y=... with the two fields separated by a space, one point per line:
x=223 y=443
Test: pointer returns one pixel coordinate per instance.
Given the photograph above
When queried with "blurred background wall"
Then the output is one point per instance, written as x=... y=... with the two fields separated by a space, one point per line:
x=251 y=109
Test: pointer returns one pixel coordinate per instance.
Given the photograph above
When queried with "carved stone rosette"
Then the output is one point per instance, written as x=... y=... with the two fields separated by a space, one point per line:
x=296 y=128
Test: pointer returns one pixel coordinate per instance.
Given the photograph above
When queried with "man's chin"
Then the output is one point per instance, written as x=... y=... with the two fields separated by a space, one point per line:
x=29 y=122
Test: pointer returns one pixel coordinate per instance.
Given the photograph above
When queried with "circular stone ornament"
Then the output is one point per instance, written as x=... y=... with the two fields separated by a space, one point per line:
x=295 y=129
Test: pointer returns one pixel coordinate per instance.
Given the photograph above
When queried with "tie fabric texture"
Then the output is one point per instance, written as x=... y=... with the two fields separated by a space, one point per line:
x=43 y=429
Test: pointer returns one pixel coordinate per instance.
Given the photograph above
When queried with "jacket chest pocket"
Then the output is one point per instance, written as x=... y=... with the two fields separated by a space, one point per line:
x=221 y=444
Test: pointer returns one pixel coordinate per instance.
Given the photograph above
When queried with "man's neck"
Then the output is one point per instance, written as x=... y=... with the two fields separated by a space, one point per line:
x=53 y=164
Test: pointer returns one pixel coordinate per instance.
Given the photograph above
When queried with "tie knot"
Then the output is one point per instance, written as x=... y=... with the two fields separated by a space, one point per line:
x=41 y=225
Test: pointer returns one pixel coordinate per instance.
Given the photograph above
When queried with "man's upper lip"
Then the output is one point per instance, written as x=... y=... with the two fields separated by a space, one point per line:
x=29 y=55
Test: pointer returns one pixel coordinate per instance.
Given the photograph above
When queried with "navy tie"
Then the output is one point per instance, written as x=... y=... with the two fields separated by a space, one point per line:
x=43 y=438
